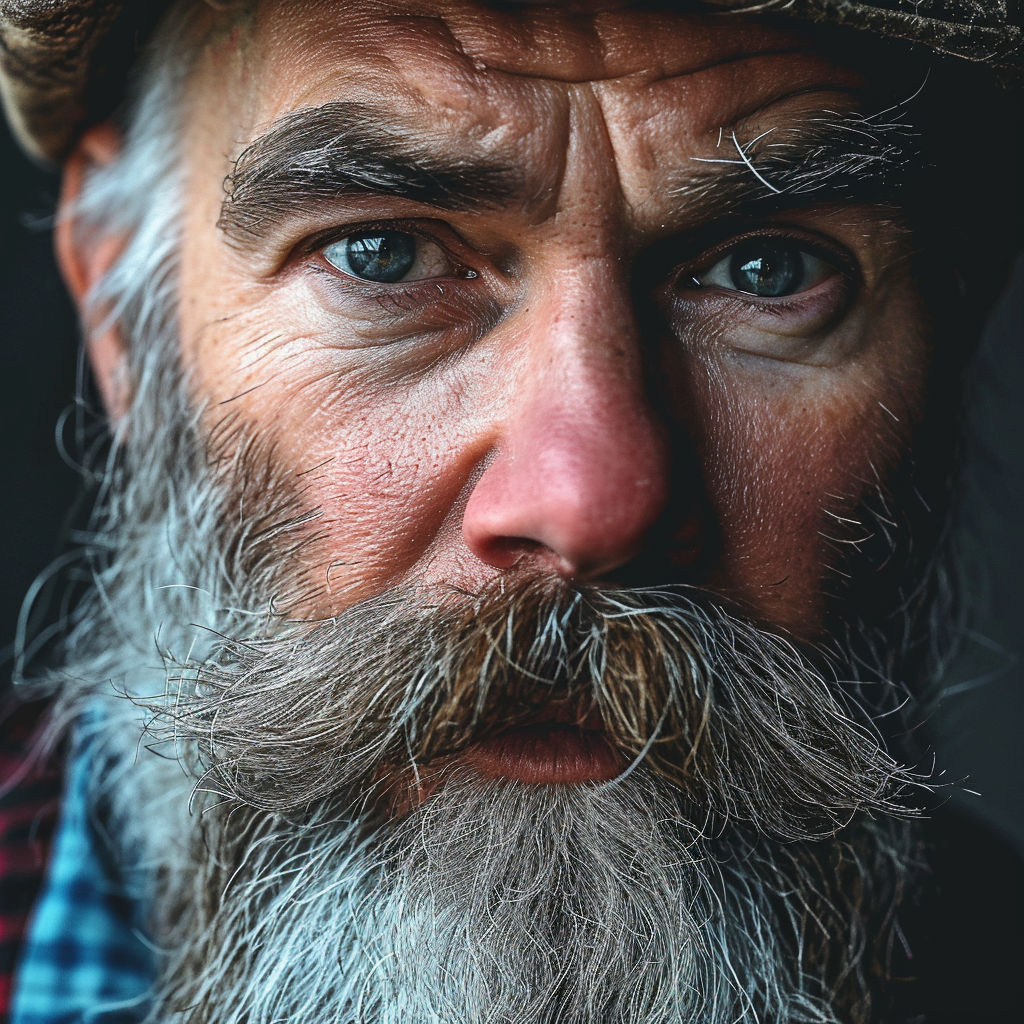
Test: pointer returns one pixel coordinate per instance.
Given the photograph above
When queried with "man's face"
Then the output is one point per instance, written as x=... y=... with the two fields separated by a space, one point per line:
x=498 y=292
x=546 y=360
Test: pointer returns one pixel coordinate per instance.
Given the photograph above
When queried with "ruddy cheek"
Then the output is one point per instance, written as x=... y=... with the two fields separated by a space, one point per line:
x=784 y=477
x=387 y=478
x=769 y=515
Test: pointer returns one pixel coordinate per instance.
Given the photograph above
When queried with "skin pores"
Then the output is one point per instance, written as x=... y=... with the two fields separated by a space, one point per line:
x=568 y=377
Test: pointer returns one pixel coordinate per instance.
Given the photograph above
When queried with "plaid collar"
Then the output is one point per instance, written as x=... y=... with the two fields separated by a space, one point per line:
x=85 y=957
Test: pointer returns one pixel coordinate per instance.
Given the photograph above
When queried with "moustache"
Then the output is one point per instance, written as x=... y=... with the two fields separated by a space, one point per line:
x=747 y=728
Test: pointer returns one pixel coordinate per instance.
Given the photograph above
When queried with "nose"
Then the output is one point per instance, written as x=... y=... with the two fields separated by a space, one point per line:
x=579 y=472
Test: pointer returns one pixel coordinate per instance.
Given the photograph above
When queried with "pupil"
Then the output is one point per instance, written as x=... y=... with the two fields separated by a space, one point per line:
x=768 y=270
x=385 y=256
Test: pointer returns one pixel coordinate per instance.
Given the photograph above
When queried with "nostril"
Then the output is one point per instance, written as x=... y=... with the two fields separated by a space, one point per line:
x=680 y=549
x=507 y=552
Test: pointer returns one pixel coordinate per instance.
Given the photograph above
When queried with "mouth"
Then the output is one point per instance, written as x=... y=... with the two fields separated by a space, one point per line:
x=556 y=748
x=552 y=751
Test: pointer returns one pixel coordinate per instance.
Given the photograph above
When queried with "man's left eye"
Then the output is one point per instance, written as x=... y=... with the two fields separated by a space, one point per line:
x=767 y=268
x=388 y=257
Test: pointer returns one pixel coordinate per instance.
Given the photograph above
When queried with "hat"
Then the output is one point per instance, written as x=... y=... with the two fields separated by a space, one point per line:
x=63 y=63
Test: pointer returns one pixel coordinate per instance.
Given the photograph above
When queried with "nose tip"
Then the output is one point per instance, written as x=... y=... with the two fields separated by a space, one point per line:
x=577 y=491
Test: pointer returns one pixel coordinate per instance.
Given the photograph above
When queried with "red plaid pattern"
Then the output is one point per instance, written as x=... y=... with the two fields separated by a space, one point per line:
x=29 y=800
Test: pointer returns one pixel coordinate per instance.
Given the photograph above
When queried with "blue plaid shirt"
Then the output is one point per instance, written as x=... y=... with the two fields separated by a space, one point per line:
x=85 y=958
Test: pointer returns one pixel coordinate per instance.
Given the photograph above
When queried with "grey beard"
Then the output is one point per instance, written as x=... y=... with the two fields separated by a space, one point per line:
x=746 y=727
x=500 y=903
x=734 y=874
x=706 y=883
x=293 y=893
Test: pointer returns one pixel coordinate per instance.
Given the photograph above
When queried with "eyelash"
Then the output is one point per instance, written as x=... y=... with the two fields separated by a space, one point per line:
x=315 y=245
x=815 y=245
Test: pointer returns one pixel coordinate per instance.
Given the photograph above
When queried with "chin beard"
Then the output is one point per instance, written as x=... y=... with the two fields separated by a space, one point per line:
x=500 y=902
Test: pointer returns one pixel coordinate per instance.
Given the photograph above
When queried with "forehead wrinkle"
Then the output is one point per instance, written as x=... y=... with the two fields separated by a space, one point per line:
x=579 y=46
x=653 y=76
x=544 y=44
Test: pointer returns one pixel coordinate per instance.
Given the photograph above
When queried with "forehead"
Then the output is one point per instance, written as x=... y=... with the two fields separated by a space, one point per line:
x=496 y=75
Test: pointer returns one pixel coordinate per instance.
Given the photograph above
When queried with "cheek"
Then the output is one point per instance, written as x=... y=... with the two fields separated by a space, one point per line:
x=368 y=473
x=785 y=466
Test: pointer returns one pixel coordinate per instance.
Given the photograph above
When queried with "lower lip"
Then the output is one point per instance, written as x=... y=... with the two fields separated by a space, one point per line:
x=546 y=754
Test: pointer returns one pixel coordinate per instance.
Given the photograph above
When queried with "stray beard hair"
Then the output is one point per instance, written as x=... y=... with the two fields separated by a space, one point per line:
x=746 y=865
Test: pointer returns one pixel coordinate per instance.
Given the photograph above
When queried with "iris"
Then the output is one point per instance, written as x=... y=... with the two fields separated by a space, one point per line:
x=383 y=256
x=768 y=270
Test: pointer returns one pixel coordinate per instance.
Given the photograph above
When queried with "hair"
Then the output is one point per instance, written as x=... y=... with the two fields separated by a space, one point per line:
x=141 y=478
x=138 y=197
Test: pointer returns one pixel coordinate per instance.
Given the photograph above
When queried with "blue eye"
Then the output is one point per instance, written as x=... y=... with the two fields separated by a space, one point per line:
x=767 y=268
x=387 y=257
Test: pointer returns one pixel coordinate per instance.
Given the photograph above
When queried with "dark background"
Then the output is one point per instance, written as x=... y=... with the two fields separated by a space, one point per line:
x=977 y=730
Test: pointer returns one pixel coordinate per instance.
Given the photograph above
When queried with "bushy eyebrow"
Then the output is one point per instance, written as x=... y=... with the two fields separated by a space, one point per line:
x=315 y=156
x=832 y=158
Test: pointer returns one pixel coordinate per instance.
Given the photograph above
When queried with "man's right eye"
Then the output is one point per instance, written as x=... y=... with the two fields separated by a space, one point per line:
x=388 y=257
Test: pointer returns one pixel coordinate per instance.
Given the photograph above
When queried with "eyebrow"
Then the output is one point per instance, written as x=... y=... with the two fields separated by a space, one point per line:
x=828 y=159
x=315 y=156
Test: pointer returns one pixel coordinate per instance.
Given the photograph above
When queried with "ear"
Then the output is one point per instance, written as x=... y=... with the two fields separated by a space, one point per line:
x=84 y=257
